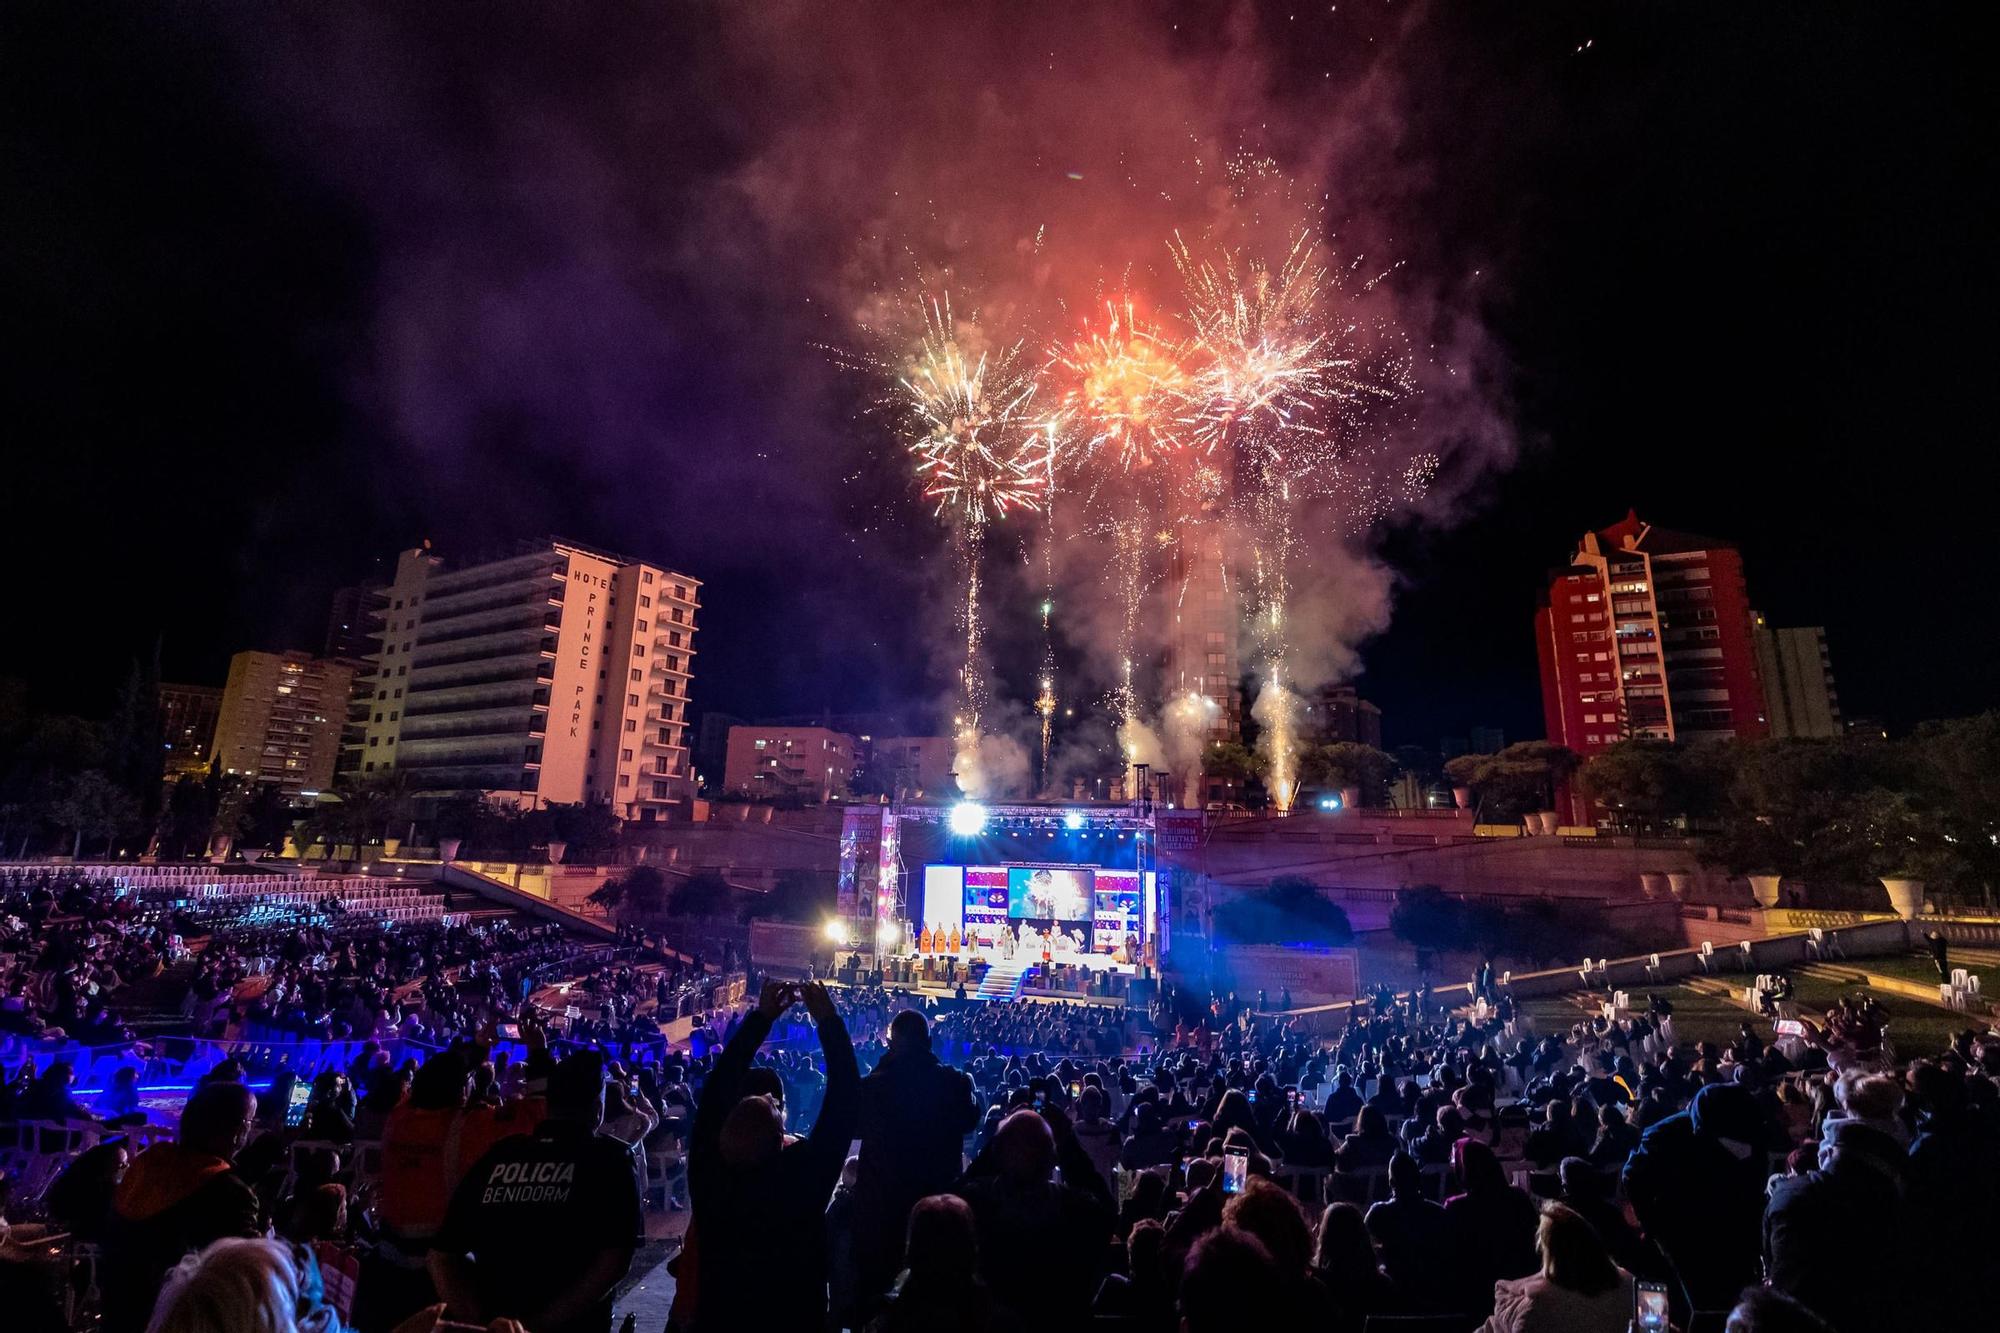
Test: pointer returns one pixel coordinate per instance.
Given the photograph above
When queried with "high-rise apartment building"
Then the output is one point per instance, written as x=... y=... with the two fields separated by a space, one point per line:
x=1339 y=713
x=910 y=765
x=558 y=674
x=281 y=717
x=1202 y=619
x=1647 y=634
x=349 y=625
x=1797 y=674
x=188 y=714
x=806 y=763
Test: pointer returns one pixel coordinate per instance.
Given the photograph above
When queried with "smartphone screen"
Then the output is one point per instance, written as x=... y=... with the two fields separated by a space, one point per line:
x=295 y=1109
x=1649 y=1307
x=507 y=1031
x=1075 y=1091
x=1235 y=1171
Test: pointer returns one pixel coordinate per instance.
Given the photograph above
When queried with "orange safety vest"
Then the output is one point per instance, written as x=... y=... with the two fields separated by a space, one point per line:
x=425 y=1152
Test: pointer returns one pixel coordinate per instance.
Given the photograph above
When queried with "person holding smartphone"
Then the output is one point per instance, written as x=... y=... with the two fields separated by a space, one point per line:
x=760 y=1202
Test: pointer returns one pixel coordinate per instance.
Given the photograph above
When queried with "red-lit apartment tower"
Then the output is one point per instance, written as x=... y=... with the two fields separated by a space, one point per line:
x=1648 y=634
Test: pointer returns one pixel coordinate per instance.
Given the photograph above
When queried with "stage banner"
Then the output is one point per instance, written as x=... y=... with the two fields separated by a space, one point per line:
x=860 y=854
x=1177 y=835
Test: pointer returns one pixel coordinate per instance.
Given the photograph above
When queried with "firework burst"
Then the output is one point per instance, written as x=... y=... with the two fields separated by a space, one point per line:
x=969 y=423
x=1282 y=379
x=1127 y=388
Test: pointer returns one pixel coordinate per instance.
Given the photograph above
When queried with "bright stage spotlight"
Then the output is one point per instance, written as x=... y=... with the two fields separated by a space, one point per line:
x=836 y=930
x=887 y=933
x=968 y=819
x=1073 y=820
x=1329 y=803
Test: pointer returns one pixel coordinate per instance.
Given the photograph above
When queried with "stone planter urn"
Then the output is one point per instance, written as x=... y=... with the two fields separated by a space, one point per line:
x=1677 y=885
x=448 y=848
x=218 y=850
x=1652 y=885
x=390 y=846
x=556 y=849
x=1764 y=888
x=255 y=854
x=1462 y=797
x=1350 y=798
x=1548 y=821
x=1906 y=896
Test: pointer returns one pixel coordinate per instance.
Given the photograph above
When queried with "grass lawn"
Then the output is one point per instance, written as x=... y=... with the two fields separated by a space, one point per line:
x=1697 y=1017
x=1917 y=967
x=1915 y=1028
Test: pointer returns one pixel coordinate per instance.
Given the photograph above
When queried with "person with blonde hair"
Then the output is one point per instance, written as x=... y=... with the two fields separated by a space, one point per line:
x=244 y=1286
x=1579 y=1290
x=262 y=1286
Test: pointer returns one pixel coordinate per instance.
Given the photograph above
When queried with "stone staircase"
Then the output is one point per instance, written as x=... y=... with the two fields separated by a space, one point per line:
x=1003 y=980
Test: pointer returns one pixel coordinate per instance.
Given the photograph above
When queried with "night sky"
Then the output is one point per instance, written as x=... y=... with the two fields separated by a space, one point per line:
x=289 y=288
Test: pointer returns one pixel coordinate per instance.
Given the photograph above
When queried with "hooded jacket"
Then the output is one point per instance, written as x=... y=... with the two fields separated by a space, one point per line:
x=172 y=1201
x=1700 y=1202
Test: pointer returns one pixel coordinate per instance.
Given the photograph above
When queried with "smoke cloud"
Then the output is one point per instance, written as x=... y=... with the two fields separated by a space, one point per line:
x=614 y=246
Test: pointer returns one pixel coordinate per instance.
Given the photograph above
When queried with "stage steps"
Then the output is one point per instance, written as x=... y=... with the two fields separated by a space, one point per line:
x=1003 y=980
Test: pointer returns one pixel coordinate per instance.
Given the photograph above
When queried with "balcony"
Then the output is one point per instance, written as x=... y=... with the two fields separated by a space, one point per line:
x=481 y=640
x=516 y=692
x=477 y=653
x=514 y=722
x=453 y=588
x=463 y=751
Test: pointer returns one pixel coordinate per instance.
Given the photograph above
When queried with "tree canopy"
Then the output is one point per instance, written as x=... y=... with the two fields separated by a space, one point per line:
x=1289 y=910
x=1347 y=764
x=1834 y=814
x=1520 y=779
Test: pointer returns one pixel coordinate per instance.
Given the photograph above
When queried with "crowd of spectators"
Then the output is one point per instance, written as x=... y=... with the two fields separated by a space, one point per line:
x=68 y=944
x=877 y=1159
x=1413 y=1165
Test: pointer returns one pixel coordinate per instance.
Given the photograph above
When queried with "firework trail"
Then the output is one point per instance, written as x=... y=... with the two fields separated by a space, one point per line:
x=1281 y=383
x=963 y=413
x=1045 y=695
x=1125 y=402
